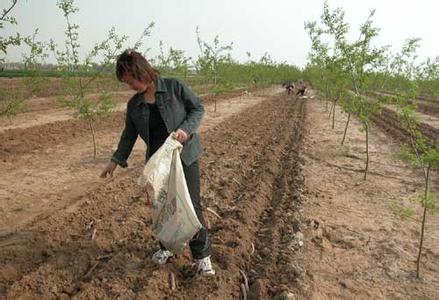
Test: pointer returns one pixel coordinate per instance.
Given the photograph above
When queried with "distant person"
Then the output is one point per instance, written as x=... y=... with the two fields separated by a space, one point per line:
x=289 y=87
x=162 y=106
x=301 y=87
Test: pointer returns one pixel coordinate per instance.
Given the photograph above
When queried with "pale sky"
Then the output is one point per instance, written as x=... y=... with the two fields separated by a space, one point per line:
x=256 y=26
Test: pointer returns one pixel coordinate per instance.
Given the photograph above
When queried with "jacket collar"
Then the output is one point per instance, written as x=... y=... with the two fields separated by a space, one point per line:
x=160 y=86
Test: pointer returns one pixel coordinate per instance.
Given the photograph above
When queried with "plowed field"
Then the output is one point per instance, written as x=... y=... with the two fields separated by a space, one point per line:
x=288 y=213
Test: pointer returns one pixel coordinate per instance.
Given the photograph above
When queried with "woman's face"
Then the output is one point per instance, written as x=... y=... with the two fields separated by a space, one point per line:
x=134 y=84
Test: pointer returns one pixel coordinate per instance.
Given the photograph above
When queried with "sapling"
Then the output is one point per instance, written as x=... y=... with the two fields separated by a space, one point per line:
x=425 y=154
x=328 y=58
x=79 y=74
x=420 y=151
x=173 y=62
x=351 y=64
x=34 y=79
x=429 y=82
x=211 y=57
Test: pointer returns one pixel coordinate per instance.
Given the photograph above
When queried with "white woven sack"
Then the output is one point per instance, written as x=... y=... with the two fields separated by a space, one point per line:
x=174 y=219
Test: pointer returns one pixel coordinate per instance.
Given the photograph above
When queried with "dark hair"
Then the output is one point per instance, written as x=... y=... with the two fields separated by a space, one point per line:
x=132 y=62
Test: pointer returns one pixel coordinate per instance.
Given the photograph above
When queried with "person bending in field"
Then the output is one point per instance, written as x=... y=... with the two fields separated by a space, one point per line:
x=301 y=88
x=289 y=87
x=162 y=106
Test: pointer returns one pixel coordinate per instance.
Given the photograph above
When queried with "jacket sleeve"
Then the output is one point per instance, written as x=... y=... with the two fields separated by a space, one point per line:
x=126 y=143
x=193 y=106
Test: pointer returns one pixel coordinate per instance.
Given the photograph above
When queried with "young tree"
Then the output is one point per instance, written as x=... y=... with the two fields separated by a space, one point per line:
x=79 y=74
x=356 y=60
x=425 y=154
x=317 y=69
x=420 y=151
x=428 y=81
x=173 y=62
x=211 y=58
x=34 y=79
x=330 y=58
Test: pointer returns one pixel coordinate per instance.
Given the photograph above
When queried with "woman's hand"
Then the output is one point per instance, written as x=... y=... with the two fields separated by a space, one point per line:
x=148 y=200
x=181 y=135
x=109 y=169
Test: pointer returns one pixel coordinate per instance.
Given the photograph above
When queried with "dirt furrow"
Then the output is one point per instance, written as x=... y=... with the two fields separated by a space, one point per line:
x=425 y=105
x=388 y=121
x=273 y=268
x=244 y=198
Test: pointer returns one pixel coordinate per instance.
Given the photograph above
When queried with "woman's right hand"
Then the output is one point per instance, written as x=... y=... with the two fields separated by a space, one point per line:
x=109 y=169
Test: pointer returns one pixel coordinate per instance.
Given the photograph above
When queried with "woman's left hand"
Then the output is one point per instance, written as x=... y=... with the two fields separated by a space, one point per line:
x=148 y=201
x=181 y=135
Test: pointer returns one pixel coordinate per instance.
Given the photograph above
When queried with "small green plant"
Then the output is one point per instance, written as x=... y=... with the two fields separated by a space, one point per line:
x=403 y=212
x=11 y=105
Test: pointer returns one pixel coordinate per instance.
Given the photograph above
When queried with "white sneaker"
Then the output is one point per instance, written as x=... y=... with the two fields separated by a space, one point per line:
x=161 y=256
x=205 y=267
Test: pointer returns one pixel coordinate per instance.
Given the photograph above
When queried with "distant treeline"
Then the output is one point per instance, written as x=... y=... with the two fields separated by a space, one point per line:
x=43 y=73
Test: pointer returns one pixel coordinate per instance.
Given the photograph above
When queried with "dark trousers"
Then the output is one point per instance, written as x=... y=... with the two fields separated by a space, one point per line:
x=200 y=244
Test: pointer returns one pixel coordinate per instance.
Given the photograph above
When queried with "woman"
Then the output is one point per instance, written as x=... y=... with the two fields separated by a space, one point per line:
x=162 y=106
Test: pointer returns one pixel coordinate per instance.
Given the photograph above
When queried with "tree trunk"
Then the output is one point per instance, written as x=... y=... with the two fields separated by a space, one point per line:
x=330 y=110
x=346 y=128
x=90 y=124
x=326 y=90
x=333 y=114
x=326 y=95
x=367 y=151
x=418 y=261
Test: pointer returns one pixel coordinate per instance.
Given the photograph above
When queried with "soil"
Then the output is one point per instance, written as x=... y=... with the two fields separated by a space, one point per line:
x=388 y=120
x=426 y=105
x=293 y=213
x=359 y=245
x=50 y=165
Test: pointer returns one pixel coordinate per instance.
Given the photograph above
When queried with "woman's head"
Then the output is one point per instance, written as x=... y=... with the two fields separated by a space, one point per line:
x=133 y=64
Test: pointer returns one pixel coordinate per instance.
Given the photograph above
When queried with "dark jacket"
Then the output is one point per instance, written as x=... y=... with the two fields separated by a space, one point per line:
x=179 y=107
